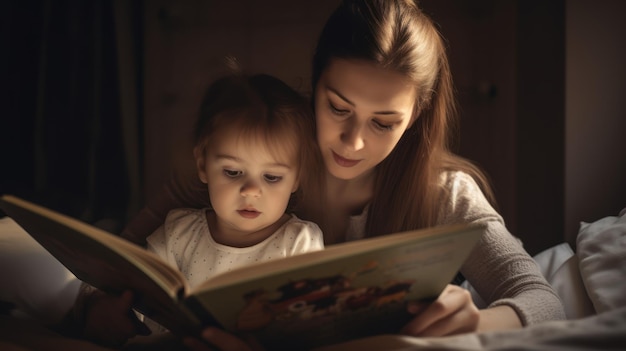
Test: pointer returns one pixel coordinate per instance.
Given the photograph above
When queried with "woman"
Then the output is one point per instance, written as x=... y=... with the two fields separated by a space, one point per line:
x=384 y=107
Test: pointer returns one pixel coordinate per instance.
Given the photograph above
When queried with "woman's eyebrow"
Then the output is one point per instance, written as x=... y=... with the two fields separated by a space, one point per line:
x=334 y=91
x=384 y=112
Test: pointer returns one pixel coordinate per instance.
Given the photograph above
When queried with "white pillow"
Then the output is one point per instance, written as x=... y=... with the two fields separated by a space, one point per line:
x=559 y=265
x=31 y=278
x=551 y=259
x=601 y=250
x=568 y=283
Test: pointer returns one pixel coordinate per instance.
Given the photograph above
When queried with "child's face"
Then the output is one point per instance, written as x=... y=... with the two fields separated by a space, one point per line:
x=248 y=185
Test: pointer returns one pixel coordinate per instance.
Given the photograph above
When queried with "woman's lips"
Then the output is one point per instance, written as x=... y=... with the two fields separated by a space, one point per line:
x=249 y=213
x=344 y=162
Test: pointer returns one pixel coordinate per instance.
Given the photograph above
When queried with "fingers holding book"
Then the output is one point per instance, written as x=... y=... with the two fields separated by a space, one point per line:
x=110 y=320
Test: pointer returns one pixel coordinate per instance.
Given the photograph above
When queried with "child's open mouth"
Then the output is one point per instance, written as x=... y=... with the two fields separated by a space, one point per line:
x=249 y=213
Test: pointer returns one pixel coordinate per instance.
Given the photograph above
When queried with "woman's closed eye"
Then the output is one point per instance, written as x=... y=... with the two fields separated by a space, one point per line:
x=378 y=125
x=383 y=127
x=337 y=111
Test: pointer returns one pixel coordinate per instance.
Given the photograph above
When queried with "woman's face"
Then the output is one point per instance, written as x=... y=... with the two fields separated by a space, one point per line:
x=361 y=111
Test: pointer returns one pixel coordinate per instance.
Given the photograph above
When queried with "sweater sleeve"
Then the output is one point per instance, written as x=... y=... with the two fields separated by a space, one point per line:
x=499 y=268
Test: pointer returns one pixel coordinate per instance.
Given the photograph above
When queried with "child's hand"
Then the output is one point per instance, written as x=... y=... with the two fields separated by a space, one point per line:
x=110 y=321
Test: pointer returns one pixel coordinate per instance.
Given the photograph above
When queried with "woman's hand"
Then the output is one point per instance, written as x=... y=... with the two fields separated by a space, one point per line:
x=110 y=321
x=220 y=340
x=453 y=312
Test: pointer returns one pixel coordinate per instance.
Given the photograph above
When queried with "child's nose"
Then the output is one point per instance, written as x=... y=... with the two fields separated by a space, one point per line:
x=250 y=188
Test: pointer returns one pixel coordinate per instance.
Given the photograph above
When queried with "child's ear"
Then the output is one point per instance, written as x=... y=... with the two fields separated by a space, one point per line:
x=296 y=185
x=199 y=155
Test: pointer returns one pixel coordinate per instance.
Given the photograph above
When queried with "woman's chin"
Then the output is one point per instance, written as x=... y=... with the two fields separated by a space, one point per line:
x=343 y=173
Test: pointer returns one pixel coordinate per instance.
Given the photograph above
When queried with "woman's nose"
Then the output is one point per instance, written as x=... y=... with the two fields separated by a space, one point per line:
x=353 y=136
x=250 y=188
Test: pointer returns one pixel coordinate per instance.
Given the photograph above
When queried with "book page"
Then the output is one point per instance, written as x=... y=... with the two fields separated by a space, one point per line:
x=333 y=252
x=343 y=292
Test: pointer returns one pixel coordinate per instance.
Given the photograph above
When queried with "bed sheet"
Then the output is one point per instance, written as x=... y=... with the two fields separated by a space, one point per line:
x=606 y=331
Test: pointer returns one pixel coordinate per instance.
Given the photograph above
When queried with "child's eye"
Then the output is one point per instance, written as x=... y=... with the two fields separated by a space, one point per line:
x=336 y=110
x=382 y=126
x=272 y=178
x=231 y=173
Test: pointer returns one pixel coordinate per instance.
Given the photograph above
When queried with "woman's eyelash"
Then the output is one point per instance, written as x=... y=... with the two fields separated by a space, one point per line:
x=382 y=126
x=337 y=111
x=378 y=125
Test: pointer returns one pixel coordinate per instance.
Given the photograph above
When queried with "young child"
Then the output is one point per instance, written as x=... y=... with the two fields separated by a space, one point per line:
x=254 y=145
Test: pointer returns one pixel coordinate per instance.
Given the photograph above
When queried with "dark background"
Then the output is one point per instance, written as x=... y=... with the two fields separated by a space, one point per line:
x=98 y=97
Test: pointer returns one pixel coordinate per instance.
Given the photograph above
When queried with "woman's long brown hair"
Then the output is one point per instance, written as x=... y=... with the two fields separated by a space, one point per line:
x=397 y=35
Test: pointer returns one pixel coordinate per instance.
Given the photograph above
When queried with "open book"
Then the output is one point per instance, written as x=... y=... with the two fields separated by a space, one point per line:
x=343 y=292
